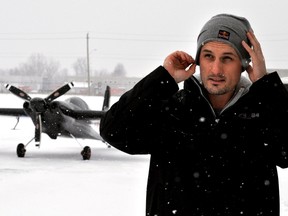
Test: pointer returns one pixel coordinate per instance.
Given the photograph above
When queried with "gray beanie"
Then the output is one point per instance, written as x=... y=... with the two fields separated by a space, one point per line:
x=226 y=28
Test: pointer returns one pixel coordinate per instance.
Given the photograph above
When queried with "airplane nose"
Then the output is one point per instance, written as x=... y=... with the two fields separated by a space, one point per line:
x=38 y=105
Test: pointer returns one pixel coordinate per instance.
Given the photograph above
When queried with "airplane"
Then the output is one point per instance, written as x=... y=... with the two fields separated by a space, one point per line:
x=69 y=118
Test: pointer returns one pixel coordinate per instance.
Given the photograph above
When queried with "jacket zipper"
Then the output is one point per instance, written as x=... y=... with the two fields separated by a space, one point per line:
x=234 y=99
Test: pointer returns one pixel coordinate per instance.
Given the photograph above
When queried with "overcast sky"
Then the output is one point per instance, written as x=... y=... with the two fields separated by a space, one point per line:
x=138 y=34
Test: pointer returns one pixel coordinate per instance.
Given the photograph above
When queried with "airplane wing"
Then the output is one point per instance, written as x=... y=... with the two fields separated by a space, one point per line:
x=12 y=112
x=83 y=114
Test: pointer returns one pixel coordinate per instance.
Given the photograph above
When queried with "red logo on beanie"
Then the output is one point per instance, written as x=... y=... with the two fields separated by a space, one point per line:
x=223 y=34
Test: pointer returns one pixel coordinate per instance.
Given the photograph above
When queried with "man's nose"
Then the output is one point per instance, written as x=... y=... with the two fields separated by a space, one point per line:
x=216 y=67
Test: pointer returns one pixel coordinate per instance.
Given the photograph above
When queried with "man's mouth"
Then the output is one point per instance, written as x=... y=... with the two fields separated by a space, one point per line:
x=216 y=80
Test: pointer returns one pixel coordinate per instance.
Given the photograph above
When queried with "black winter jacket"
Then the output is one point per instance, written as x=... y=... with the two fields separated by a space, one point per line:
x=204 y=164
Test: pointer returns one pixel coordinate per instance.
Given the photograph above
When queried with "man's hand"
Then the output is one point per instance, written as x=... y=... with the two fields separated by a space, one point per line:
x=180 y=65
x=258 y=68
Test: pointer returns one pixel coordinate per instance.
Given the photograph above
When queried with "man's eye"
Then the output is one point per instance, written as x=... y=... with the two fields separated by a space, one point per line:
x=226 y=58
x=208 y=56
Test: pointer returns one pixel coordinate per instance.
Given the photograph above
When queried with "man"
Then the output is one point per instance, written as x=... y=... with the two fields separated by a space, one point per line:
x=216 y=143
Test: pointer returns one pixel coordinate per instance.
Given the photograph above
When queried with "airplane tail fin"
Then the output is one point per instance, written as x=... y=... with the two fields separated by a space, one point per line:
x=106 y=102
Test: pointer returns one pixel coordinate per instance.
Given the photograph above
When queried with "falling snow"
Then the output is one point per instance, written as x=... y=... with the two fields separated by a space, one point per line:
x=54 y=180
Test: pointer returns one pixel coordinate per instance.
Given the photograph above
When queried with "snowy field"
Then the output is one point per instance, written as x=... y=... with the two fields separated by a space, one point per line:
x=55 y=181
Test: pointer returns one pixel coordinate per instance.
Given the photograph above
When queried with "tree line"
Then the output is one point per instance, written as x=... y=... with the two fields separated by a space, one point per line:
x=38 y=65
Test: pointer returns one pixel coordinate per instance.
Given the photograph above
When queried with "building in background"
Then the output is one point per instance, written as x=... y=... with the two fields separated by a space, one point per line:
x=118 y=84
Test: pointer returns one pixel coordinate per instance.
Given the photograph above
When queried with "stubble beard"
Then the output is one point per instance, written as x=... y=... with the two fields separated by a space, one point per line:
x=218 y=89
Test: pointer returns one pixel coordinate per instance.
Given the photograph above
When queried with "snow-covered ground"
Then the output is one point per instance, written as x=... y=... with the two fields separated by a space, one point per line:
x=54 y=180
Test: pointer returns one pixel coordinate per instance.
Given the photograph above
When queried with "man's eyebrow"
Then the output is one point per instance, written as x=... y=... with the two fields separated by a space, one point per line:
x=206 y=50
x=225 y=53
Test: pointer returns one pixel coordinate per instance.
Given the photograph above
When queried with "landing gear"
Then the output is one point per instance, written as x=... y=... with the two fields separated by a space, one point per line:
x=86 y=153
x=21 y=150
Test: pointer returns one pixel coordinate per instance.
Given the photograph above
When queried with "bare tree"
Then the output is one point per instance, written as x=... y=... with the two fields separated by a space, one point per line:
x=39 y=65
x=80 y=66
x=119 y=70
x=35 y=65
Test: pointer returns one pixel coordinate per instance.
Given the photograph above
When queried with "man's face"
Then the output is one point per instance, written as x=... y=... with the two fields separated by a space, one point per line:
x=220 y=68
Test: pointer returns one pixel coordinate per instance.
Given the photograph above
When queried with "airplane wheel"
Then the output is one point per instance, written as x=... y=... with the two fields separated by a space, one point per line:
x=21 y=150
x=86 y=153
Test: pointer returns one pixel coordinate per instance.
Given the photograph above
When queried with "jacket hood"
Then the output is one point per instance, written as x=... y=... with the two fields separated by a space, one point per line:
x=194 y=83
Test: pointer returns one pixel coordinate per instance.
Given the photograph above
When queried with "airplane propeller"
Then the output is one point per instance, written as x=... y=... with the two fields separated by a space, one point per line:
x=18 y=92
x=39 y=105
